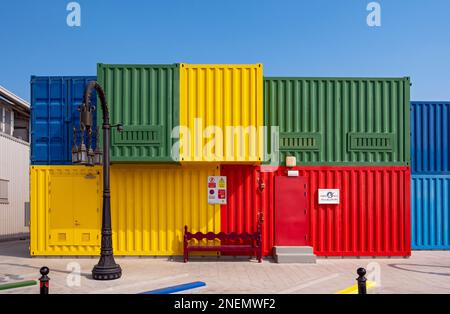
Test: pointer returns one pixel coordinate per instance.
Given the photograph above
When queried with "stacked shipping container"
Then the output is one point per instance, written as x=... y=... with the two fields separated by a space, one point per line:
x=151 y=203
x=144 y=98
x=346 y=133
x=64 y=199
x=430 y=144
x=221 y=106
x=65 y=213
x=340 y=121
x=350 y=134
x=54 y=114
x=371 y=219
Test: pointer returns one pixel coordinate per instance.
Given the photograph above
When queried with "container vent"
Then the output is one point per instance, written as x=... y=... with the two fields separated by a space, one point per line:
x=138 y=135
x=371 y=142
x=300 y=141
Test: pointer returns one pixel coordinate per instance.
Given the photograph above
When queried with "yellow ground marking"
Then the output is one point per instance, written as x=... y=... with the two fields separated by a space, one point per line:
x=354 y=289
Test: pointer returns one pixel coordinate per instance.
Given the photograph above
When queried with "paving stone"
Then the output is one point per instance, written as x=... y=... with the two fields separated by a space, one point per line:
x=424 y=272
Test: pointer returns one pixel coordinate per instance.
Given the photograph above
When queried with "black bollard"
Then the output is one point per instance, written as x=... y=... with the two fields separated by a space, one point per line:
x=362 y=288
x=44 y=280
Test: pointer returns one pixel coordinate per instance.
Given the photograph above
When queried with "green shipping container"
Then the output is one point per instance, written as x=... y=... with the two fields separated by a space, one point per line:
x=339 y=121
x=145 y=99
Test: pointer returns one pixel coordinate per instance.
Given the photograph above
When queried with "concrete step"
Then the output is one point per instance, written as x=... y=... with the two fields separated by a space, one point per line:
x=293 y=250
x=285 y=258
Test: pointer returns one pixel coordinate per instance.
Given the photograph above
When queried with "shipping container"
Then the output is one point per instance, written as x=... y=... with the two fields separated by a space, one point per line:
x=65 y=204
x=54 y=114
x=339 y=121
x=245 y=201
x=14 y=187
x=371 y=219
x=430 y=140
x=145 y=99
x=430 y=212
x=150 y=205
x=221 y=113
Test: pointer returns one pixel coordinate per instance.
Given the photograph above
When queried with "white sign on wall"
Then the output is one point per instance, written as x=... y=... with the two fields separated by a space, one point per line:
x=217 y=190
x=328 y=196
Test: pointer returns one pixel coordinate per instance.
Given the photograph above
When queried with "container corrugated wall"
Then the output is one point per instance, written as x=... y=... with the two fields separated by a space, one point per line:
x=340 y=121
x=430 y=139
x=150 y=204
x=372 y=219
x=65 y=204
x=245 y=201
x=145 y=99
x=14 y=165
x=430 y=211
x=54 y=114
x=221 y=96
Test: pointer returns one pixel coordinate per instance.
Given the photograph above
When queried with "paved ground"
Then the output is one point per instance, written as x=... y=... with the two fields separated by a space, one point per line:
x=424 y=272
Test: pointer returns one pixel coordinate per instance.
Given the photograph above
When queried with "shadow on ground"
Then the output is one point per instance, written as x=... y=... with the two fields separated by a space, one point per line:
x=407 y=267
x=16 y=248
x=37 y=268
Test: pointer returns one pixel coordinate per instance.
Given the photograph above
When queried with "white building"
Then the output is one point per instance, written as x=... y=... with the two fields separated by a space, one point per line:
x=14 y=165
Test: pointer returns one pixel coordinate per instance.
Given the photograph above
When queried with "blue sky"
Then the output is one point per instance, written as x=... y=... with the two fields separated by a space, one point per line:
x=291 y=38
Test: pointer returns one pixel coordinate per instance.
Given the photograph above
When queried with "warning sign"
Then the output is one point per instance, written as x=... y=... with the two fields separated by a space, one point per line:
x=217 y=190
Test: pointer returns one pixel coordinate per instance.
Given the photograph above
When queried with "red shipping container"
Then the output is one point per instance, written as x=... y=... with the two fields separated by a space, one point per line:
x=371 y=219
x=244 y=202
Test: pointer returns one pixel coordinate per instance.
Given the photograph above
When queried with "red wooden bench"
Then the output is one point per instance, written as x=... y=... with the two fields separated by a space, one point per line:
x=236 y=244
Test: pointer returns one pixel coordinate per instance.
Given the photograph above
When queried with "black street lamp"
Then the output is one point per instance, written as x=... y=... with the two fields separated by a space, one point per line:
x=106 y=268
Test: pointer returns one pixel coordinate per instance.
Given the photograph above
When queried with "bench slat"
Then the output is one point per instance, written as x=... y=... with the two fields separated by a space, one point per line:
x=221 y=248
x=253 y=245
x=222 y=236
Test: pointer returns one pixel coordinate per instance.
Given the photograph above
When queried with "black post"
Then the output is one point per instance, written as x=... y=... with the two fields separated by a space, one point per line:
x=362 y=288
x=106 y=269
x=44 y=280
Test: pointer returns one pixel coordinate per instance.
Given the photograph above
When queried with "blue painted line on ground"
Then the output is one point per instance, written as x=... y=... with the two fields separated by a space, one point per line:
x=177 y=288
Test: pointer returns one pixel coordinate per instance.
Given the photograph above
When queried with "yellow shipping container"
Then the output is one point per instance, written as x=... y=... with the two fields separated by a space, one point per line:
x=221 y=113
x=65 y=210
x=150 y=205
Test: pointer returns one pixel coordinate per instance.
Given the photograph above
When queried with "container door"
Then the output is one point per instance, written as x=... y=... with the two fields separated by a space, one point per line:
x=71 y=110
x=75 y=94
x=291 y=221
x=39 y=121
x=47 y=119
x=57 y=114
x=60 y=211
x=86 y=210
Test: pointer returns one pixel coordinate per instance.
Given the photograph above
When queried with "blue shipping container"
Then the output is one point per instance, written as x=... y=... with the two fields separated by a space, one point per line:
x=430 y=212
x=54 y=113
x=430 y=140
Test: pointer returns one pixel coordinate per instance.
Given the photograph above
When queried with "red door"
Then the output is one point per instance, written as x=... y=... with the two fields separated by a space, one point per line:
x=291 y=221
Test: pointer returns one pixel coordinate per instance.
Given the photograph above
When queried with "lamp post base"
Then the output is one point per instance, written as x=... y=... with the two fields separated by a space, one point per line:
x=106 y=269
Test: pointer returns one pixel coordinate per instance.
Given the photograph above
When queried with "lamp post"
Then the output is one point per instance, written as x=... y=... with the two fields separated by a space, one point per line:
x=106 y=268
